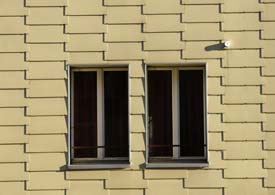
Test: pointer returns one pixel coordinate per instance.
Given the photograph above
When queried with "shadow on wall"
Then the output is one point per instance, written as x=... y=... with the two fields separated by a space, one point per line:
x=219 y=46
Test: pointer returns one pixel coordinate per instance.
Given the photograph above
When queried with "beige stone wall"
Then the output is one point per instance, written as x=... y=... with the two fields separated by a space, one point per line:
x=38 y=38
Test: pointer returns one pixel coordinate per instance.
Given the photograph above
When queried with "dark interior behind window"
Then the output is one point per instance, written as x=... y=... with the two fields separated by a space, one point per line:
x=160 y=113
x=85 y=114
x=191 y=113
x=116 y=113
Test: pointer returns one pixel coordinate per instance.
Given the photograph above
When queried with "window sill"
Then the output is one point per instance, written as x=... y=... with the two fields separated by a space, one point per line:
x=176 y=165
x=110 y=164
x=98 y=166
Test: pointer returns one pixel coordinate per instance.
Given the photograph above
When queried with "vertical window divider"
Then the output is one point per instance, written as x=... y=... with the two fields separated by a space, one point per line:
x=205 y=108
x=100 y=114
x=73 y=127
x=146 y=116
x=70 y=113
x=175 y=113
x=129 y=113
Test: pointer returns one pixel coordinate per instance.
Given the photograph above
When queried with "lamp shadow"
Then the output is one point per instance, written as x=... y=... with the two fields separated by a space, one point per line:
x=215 y=47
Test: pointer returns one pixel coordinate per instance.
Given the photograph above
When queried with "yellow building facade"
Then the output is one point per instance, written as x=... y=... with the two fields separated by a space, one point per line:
x=43 y=41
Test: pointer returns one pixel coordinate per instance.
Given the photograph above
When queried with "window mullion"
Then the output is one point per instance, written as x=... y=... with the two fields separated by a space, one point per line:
x=205 y=113
x=175 y=111
x=71 y=112
x=100 y=114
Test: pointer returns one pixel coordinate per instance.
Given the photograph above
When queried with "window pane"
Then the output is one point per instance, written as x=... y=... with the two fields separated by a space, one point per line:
x=85 y=114
x=191 y=113
x=116 y=113
x=160 y=113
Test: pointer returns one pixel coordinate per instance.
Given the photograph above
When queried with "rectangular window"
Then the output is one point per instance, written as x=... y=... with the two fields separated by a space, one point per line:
x=176 y=115
x=99 y=116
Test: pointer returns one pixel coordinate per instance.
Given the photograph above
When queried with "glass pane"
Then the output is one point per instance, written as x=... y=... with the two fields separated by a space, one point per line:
x=116 y=113
x=85 y=114
x=160 y=113
x=191 y=113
